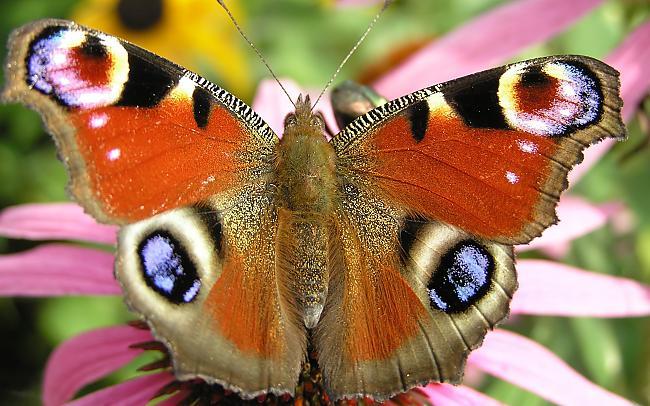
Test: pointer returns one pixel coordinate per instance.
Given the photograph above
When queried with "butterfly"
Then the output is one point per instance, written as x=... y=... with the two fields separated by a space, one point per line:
x=388 y=249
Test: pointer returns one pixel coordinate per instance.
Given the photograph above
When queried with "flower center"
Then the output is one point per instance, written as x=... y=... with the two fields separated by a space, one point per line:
x=140 y=15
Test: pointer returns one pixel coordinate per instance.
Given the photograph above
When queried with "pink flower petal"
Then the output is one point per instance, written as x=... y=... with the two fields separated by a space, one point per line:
x=550 y=288
x=54 y=221
x=525 y=363
x=135 y=392
x=444 y=394
x=57 y=269
x=273 y=105
x=558 y=250
x=631 y=59
x=486 y=41
x=577 y=217
x=88 y=357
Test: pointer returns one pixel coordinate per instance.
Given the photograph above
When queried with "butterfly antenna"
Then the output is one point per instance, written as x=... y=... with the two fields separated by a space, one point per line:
x=257 y=51
x=354 y=48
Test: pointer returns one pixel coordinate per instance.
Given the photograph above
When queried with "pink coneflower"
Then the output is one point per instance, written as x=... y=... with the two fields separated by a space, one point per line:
x=546 y=287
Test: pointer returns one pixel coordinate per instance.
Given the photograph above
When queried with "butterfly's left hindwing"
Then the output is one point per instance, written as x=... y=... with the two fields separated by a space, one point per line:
x=205 y=279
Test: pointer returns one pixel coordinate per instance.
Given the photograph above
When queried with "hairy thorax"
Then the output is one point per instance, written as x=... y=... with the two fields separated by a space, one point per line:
x=306 y=171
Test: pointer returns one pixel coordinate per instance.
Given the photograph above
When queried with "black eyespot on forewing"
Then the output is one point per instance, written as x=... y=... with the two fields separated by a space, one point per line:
x=462 y=278
x=93 y=48
x=201 y=106
x=475 y=98
x=167 y=268
x=533 y=76
x=590 y=90
x=148 y=82
x=418 y=115
x=45 y=34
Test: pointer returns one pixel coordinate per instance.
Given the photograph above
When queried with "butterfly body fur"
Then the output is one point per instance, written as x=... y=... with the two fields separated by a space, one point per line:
x=389 y=248
x=307 y=187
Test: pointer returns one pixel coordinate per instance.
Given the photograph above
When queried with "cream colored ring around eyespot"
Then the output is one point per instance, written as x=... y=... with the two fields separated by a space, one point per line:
x=186 y=226
x=119 y=73
x=433 y=242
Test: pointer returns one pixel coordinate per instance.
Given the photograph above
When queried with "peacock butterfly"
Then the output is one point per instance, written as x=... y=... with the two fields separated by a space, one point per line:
x=388 y=249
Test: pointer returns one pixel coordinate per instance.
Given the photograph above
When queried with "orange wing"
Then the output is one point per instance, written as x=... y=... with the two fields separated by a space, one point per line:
x=139 y=134
x=434 y=189
x=408 y=298
x=488 y=153
x=185 y=167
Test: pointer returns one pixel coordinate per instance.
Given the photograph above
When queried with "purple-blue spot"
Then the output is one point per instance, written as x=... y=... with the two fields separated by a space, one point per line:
x=462 y=277
x=168 y=269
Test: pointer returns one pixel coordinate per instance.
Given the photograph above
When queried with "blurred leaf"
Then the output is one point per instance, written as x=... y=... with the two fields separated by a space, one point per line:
x=600 y=351
x=643 y=253
x=64 y=317
x=9 y=173
x=597 y=33
x=45 y=177
x=513 y=395
x=594 y=253
x=24 y=126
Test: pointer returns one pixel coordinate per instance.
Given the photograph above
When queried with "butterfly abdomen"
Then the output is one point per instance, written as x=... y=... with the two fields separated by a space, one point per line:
x=303 y=262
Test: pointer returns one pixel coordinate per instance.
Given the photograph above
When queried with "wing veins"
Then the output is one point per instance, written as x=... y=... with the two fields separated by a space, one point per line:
x=390 y=178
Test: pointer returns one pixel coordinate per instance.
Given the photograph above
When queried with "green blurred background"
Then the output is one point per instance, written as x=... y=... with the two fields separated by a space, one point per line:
x=305 y=40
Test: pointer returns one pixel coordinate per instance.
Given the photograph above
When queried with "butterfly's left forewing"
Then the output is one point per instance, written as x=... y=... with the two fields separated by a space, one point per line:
x=186 y=168
x=435 y=188
x=138 y=134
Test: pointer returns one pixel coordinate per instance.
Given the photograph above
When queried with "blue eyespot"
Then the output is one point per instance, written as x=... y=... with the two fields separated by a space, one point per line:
x=167 y=268
x=462 y=277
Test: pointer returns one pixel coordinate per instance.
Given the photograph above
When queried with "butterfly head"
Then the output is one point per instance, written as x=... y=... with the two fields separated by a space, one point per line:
x=303 y=120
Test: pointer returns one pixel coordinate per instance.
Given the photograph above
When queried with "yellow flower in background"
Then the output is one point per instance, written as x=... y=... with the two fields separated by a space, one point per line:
x=194 y=33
